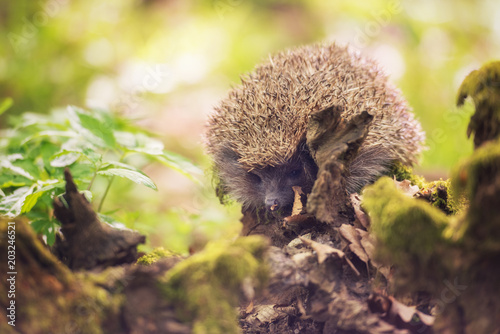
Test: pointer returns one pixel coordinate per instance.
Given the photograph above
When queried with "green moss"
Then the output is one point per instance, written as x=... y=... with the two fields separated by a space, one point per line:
x=438 y=193
x=394 y=216
x=477 y=180
x=94 y=306
x=54 y=299
x=437 y=200
x=155 y=255
x=104 y=278
x=402 y=172
x=205 y=288
x=483 y=87
x=442 y=196
x=409 y=234
x=471 y=172
x=429 y=249
x=218 y=185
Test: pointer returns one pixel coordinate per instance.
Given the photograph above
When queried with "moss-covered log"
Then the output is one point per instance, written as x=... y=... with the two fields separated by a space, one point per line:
x=454 y=257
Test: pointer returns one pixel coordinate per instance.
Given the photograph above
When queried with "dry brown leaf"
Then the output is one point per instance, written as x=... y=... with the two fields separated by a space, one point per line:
x=406 y=187
x=400 y=315
x=297 y=202
x=361 y=216
x=266 y=313
x=351 y=234
x=367 y=242
x=324 y=251
x=362 y=245
x=406 y=313
x=296 y=219
x=249 y=307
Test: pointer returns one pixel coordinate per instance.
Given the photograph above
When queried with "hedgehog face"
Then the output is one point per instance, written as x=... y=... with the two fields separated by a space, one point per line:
x=274 y=184
x=268 y=187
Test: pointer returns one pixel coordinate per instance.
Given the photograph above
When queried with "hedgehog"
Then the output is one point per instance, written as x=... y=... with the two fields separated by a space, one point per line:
x=257 y=134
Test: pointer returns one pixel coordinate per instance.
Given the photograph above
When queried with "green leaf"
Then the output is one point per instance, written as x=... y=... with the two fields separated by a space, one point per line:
x=6 y=104
x=50 y=134
x=111 y=221
x=14 y=157
x=82 y=148
x=51 y=236
x=46 y=227
x=39 y=225
x=82 y=172
x=64 y=158
x=139 y=143
x=182 y=165
x=30 y=201
x=93 y=156
x=88 y=195
x=6 y=162
x=11 y=205
x=33 y=198
x=12 y=183
x=128 y=172
x=137 y=177
x=98 y=123
x=47 y=151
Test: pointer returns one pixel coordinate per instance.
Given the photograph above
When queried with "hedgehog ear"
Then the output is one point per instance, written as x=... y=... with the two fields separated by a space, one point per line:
x=227 y=163
x=228 y=155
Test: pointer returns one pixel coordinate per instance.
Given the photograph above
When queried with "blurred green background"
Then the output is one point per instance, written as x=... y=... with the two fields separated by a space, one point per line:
x=166 y=63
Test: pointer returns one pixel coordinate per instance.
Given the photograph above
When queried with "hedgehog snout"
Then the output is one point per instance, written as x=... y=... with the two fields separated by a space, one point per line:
x=272 y=204
x=278 y=200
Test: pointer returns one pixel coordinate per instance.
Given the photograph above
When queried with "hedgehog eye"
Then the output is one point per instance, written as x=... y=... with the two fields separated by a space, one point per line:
x=295 y=172
x=254 y=178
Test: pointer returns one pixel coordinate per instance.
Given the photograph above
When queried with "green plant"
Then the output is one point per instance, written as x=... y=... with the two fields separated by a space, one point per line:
x=35 y=151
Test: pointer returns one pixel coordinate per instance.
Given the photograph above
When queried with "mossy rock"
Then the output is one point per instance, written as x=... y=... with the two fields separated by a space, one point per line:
x=410 y=234
x=206 y=287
